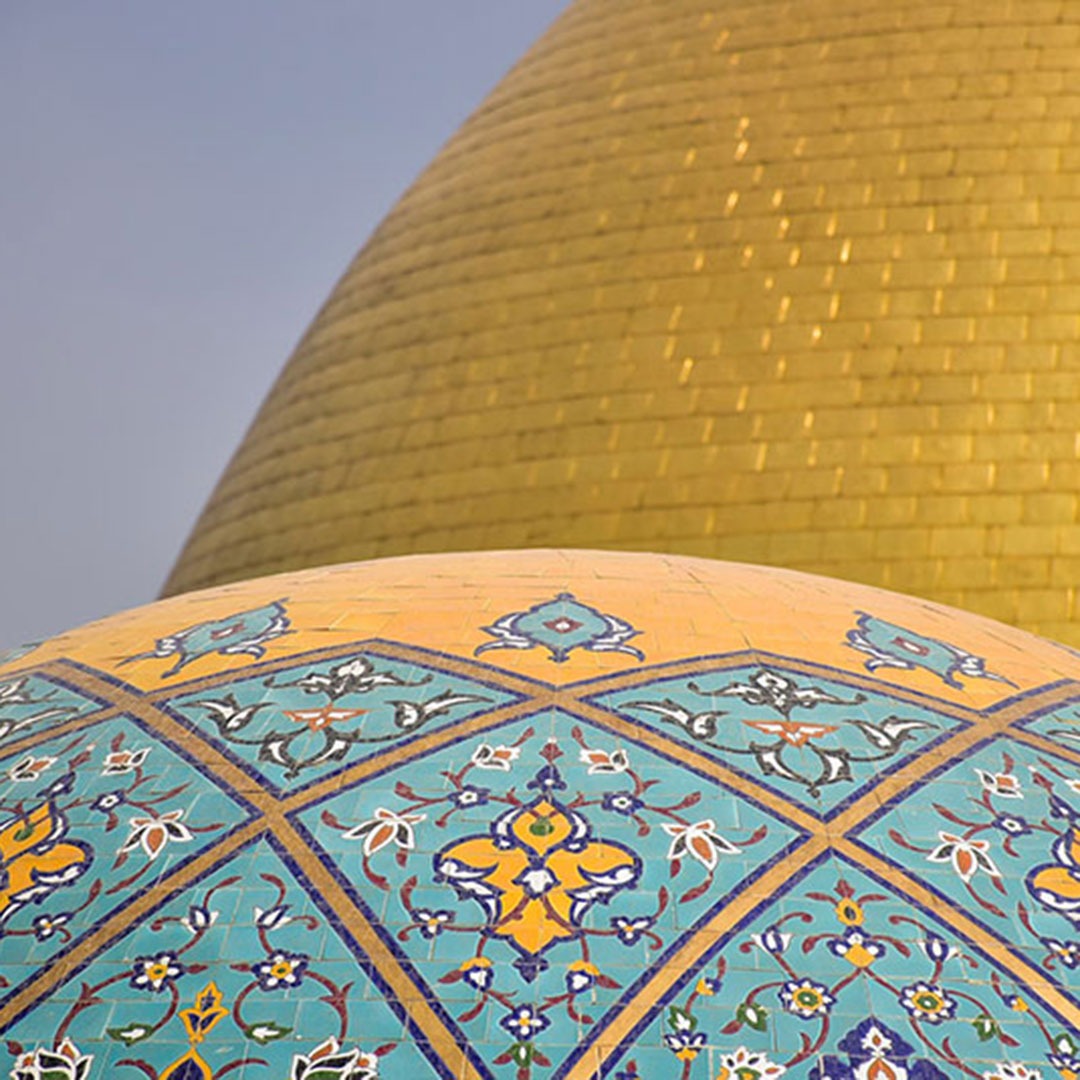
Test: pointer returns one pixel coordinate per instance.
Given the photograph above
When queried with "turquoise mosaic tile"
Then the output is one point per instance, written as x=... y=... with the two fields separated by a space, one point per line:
x=997 y=833
x=1060 y=725
x=88 y=821
x=243 y=973
x=529 y=875
x=33 y=703
x=839 y=976
x=553 y=862
x=813 y=740
x=303 y=723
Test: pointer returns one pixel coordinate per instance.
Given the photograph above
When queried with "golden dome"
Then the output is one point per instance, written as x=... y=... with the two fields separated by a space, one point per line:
x=540 y=815
x=791 y=282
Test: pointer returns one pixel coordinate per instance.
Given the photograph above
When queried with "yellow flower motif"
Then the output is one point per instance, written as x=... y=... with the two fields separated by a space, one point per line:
x=849 y=913
x=580 y=975
x=478 y=972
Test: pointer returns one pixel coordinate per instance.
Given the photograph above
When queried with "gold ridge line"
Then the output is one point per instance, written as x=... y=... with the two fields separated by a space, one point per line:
x=64 y=728
x=627 y=680
x=1045 y=745
x=463 y=666
x=610 y=1039
x=896 y=784
x=1030 y=977
x=425 y=744
x=388 y=650
x=131 y=914
x=789 y=811
x=192 y=741
x=402 y=988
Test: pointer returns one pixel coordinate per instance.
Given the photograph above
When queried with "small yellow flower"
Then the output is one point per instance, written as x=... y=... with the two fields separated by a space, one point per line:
x=584 y=965
x=849 y=913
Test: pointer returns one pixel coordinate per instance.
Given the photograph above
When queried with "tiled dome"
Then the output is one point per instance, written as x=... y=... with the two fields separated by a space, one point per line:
x=541 y=814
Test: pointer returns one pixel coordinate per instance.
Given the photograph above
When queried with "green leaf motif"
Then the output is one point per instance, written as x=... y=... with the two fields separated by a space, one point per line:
x=1065 y=1044
x=753 y=1016
x=322 y=1074
x=264 y=1031
x=985 y=1027
x=680 y=1019
x=130 y=1035
x=522 y=1054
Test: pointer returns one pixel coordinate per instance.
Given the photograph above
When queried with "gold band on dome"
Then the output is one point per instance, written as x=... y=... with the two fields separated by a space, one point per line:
x=791 y=283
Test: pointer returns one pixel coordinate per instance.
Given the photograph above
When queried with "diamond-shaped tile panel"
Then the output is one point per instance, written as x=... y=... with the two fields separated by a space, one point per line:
x=1060 y=725
x=310 y=720
x=89 y=821
x=839 y=976
x=530 y=875
x=240 y=974
x=997 y=834
x=811 y=739
x=32 y=703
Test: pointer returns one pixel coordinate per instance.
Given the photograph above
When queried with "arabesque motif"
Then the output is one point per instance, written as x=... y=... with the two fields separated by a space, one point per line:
x=303 y=722
x=561 y=625
x=86 y=821
x=30 y=704
x=810 y=740
x=892 y=646
x=376 y=858
x=243 y=634
x=843 y=964
x=230 y=1006
x=1022 y=810
x=548 y=862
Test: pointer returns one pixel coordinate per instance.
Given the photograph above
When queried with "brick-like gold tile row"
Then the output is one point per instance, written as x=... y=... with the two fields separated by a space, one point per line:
x=791 y=282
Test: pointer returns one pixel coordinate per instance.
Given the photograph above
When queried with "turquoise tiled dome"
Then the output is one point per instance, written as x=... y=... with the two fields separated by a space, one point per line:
x=541 y=815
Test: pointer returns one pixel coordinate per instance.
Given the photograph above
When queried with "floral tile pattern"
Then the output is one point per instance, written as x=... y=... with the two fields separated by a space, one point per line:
x=560 y=833
x=1060 y=725
x=304 y=722
x=88 y=821
x=817 y=741
x=998 y=834
x=33 y=703
x=509 y=869
x=840 y=976
x=243 y=971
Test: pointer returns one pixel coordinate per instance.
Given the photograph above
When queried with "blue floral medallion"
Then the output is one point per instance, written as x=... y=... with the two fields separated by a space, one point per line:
x=242 y=634
x=892 y=646
x=560 y=626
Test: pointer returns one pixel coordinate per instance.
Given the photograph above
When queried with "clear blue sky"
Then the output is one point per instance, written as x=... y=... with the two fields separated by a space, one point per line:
x=181 y=184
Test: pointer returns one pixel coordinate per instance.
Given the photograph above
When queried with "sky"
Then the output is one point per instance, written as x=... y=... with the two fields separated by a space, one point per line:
x=181 y=185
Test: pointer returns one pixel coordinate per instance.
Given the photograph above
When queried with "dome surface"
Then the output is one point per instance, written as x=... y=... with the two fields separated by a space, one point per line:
x=541 y=814
x=791 y=282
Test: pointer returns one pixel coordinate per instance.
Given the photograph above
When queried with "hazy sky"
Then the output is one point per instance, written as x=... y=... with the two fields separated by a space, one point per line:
x=180 y=186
